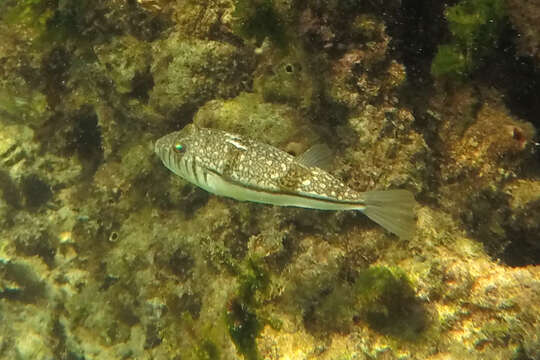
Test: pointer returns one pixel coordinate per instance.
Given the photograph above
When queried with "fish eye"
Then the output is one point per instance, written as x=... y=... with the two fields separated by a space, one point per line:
x=179 y=148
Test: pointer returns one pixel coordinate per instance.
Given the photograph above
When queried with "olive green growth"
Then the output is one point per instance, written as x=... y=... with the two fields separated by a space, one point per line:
x=242 y=322
x=51 y=21
x=475 y=26
x=258 y=19
x=33 y=13
x=244 y=327
x=208 y=351
x=450 y=60
x=288 y=82
x=380 y=296
x=253 y=280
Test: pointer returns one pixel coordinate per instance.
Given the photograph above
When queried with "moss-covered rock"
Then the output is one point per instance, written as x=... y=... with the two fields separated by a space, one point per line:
x=248 y=114
x=125 y=59
x=24 y=105
x=187 y=73
x=380 y=296
x=259 y=19
x=288 y=79
x=241 y=313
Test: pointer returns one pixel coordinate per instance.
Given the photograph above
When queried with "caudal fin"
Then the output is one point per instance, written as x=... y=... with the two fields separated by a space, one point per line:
x=393 y=210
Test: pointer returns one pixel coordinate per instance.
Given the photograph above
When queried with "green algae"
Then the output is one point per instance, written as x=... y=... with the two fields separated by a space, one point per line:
x=253 y=280
x=241 y=318
x=380 y=296
x=450 y=60
x=244 y=327
x=383 y=295
x=208 y=351
x=23 y=103
x=33 y=13
x=475 y=26
x=49 y=21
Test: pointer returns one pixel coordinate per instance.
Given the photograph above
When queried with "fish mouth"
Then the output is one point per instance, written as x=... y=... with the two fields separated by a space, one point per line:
x=158 y=146
x=161 y=143
x=161 y=149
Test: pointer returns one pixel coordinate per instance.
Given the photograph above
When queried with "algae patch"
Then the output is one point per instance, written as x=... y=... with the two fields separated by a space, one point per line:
x=475 y=26
x=242 y=322
x=380 y=296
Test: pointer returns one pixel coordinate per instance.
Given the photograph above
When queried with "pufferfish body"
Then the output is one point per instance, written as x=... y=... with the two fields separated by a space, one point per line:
x=230 y=165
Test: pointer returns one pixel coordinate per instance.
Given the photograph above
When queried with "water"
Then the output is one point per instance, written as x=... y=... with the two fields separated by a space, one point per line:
x=105 y=254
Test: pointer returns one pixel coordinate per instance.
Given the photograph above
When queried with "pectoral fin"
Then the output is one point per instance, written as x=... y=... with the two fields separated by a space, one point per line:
x=319 y=155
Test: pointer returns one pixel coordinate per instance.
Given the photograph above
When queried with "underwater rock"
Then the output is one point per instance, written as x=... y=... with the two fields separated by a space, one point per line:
x=364 y=74
x=489 y=322
x=249 y=115
x=124 y=59
x=287 y=80
x=33 y=178
x=525 y=19
x=32 y=346
x=199 y=19
x=16 y=146
x=377 y=136
x=484 y=150
x=187 y=73
x=491 y=148
x=24 y=105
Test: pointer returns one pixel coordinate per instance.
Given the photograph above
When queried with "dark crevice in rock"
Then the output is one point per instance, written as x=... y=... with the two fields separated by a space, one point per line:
x=153 y=338
x=191 y=303
x=416 y=31
x=524 y=233
x=142 y=84
x=86 y=140
x=36 y=191
x=54 y=70
x=515 y=76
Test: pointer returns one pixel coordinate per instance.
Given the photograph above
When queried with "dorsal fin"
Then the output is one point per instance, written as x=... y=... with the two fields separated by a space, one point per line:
x=319 y=155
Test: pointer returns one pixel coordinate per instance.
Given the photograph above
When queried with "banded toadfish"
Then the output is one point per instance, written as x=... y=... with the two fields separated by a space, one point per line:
x=243 y=169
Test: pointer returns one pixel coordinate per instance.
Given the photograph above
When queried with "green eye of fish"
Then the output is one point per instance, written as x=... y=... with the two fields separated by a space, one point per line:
x=179 y=148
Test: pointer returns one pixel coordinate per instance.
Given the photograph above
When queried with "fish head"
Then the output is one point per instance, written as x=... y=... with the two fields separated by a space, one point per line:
x=174 y=147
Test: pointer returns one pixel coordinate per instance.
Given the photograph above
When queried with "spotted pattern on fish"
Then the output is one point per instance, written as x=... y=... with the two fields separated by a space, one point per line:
x=240 y=168
x=249 y=163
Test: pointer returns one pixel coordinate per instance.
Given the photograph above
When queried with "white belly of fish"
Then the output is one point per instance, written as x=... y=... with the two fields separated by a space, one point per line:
x=217 y=185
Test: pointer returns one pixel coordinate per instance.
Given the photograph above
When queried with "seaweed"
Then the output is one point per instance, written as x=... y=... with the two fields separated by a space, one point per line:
x=475 y=27
x=242 y=322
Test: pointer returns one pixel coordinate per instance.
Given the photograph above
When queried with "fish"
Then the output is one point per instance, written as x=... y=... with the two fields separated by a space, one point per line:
x=234 y=166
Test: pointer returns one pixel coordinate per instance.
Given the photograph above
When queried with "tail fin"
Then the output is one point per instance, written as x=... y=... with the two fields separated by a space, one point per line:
x=393 y=210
